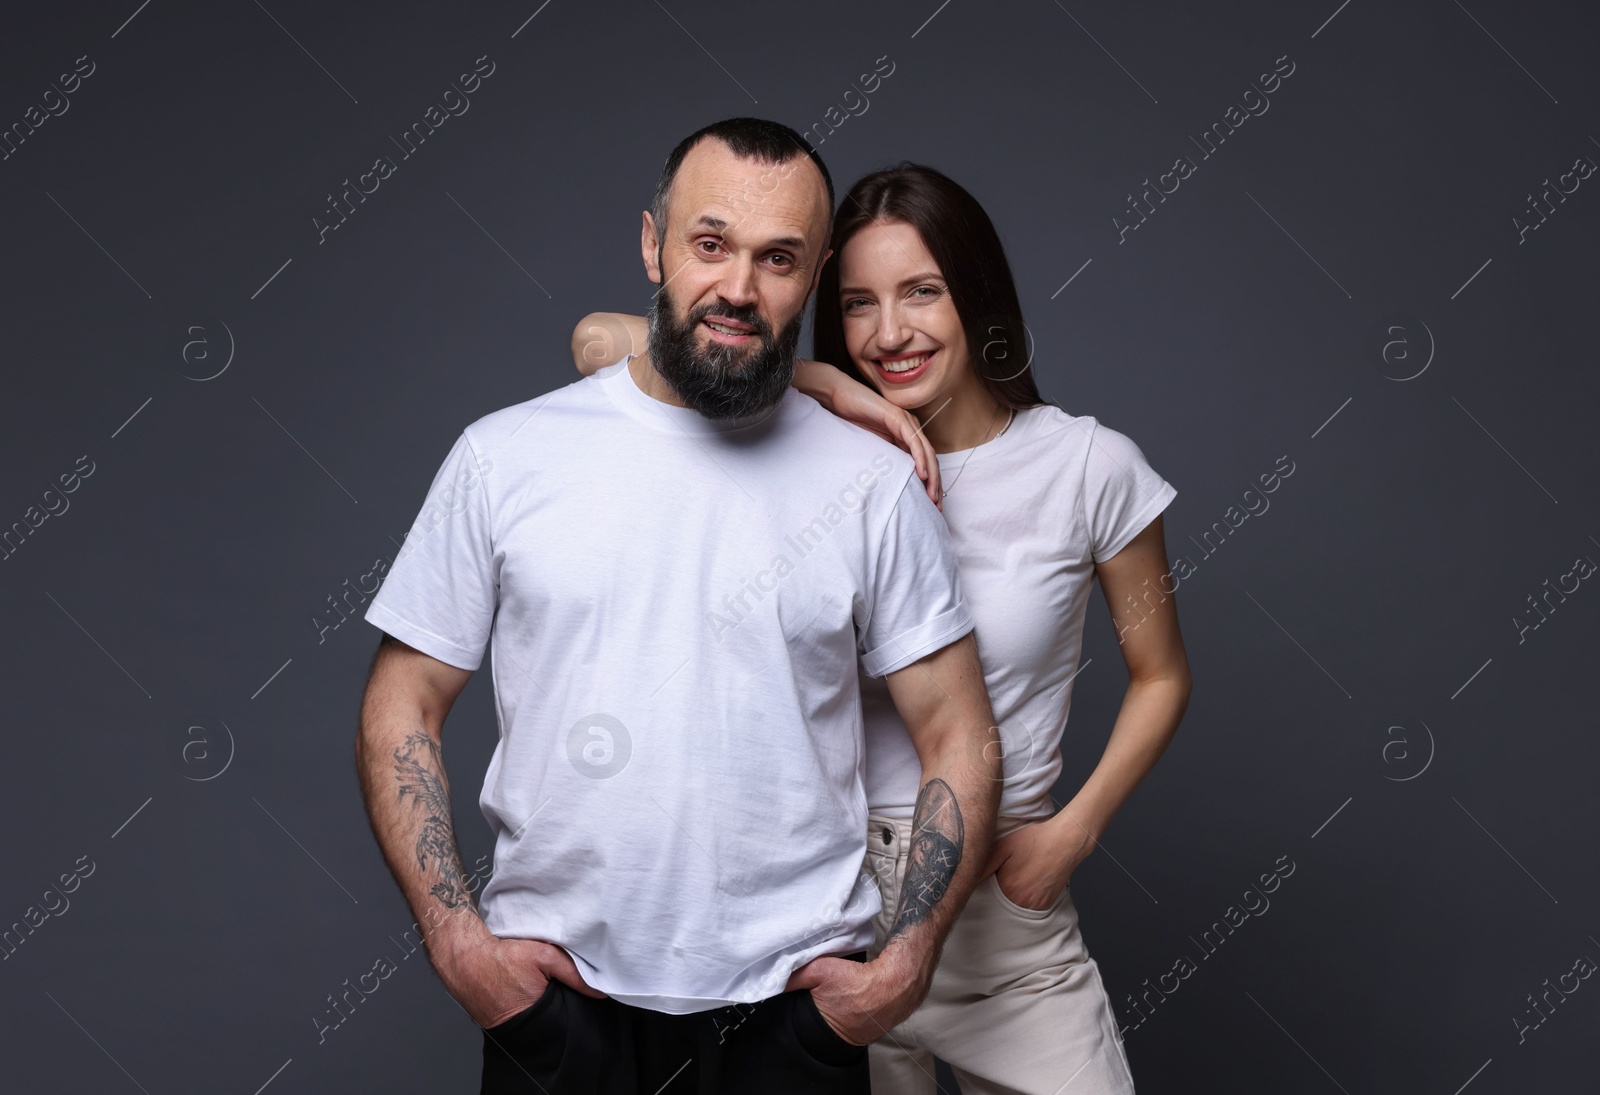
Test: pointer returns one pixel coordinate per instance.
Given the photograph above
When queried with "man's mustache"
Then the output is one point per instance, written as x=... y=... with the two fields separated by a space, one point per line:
x=747 y=315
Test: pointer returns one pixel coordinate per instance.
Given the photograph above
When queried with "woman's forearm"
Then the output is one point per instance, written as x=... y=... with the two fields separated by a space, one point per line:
x=1148 y=719
x=601 y=338
x=816 y=379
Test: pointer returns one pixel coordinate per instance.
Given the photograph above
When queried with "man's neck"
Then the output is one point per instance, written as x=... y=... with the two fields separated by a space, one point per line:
x=650 y=382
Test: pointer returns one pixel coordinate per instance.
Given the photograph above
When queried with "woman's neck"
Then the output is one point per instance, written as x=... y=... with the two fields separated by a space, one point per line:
x=963 y=418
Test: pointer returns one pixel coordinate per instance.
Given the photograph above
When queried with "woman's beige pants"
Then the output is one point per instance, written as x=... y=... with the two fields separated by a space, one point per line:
x=1016 y=1006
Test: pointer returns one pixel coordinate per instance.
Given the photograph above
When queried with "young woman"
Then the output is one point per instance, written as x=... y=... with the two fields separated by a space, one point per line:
x=919 y=311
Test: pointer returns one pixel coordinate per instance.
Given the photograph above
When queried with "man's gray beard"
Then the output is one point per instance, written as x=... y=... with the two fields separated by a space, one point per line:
x=722 y=381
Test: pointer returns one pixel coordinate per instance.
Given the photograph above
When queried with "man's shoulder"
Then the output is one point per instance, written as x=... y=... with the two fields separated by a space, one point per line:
x=531 y=417
x=836 y=439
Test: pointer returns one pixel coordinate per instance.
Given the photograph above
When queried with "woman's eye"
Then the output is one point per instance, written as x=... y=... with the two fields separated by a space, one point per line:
x=854 y=302
x=925 y=292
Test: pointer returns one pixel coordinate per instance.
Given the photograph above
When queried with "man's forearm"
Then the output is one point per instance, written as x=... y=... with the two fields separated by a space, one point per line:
x=951 y=829
x=407 y=795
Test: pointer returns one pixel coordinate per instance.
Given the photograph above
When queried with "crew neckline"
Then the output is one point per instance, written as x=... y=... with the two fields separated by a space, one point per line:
x=995 y=444
x=668 y=417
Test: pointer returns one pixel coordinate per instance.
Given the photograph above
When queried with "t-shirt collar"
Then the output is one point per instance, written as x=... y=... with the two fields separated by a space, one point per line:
x=1003 y=440
x=618 y=380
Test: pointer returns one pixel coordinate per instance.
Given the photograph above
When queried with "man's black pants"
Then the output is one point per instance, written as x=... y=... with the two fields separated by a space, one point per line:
x=571 y=1044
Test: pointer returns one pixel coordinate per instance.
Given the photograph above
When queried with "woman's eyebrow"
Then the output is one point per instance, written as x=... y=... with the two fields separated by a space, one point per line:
x=912 y=280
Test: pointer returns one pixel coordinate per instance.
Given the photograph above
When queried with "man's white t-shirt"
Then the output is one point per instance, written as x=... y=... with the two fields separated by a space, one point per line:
x=678 y=608
x=1031 y=512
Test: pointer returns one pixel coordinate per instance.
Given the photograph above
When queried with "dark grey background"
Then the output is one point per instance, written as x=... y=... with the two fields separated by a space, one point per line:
x=1438 y=881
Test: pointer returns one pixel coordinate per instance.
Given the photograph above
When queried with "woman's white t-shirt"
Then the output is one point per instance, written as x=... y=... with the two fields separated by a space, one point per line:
x=1030 y=512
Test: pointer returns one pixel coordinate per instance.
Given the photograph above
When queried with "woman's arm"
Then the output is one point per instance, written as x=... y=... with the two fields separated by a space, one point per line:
x=854 y=402
x=1035 y=861
x=603 y=337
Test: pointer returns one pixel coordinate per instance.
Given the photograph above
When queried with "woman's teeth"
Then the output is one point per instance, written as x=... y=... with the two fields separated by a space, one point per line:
x=904 y=366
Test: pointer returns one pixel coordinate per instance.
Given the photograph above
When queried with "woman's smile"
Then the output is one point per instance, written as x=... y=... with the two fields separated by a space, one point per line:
x=905 y=367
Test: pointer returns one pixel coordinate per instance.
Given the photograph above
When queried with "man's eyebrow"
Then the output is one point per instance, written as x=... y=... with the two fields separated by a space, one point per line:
x=719 y=224
x=928 y=275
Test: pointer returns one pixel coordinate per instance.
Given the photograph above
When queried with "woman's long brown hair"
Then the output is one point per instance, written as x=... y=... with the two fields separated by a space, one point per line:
x=963 y=241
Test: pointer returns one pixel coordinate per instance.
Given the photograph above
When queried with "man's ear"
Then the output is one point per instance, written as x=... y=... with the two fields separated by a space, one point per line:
x=816 y=275
x=648 y=248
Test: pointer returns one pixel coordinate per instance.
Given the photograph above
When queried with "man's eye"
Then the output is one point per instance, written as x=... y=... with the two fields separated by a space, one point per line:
x=708 y=246
x=782 y=260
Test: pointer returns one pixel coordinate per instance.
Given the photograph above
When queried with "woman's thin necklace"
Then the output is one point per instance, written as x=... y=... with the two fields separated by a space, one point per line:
x=1009 y=419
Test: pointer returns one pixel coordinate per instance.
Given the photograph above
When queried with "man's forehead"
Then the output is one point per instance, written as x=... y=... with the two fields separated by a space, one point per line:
x=717 y=188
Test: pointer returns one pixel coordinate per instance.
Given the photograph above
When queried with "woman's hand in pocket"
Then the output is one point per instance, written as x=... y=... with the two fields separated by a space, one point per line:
x=1032 y=864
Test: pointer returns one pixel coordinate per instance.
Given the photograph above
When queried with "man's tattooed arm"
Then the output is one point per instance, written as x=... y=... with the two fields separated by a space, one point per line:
x=946 y=711
x=937 y=839
x=401 y=767
x=419 y=770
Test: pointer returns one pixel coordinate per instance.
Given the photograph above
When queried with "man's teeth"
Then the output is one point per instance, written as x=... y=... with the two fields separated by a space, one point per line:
x=905 y=366
x=723 y=330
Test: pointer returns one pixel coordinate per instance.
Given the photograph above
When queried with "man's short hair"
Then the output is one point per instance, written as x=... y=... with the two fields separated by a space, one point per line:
x=753 y=139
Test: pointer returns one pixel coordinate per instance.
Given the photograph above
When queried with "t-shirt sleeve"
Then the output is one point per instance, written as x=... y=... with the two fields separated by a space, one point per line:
x=441 y=591
x=1121 y=493
x=915 y=593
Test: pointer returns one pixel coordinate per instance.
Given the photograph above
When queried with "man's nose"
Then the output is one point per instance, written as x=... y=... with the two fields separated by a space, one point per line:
x=739 y=283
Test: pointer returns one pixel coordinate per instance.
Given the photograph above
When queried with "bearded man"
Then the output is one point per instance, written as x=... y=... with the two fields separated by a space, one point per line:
x=679 y=560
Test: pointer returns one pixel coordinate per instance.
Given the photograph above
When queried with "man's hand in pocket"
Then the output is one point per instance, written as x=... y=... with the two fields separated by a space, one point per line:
x=861 y=1001
x=494 y=979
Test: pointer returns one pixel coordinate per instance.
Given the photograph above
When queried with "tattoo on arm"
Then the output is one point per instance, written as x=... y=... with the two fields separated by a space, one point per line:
x=937 y=834
x=419 y=769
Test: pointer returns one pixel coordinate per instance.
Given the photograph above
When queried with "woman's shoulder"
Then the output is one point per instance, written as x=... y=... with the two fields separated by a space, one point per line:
x=1079 y=432
x=1053 y=426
